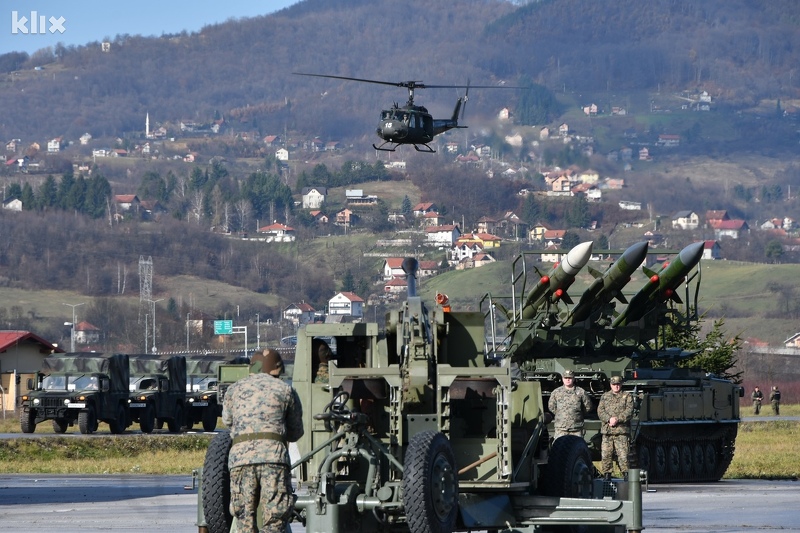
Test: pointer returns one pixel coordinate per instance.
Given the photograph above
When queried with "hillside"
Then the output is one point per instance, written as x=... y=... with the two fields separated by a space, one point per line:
x=740 y=51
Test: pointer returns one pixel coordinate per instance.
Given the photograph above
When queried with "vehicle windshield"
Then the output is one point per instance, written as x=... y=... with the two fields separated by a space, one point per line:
x=54 y=383
x=201 y=383
x=142 y=383
x=82 y=383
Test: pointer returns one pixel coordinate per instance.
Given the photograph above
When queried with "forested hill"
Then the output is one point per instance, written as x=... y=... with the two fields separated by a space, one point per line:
x=744 y=50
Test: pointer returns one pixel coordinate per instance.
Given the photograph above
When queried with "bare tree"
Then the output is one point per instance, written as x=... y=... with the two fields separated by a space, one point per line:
x=198 y=199
x=243 y=208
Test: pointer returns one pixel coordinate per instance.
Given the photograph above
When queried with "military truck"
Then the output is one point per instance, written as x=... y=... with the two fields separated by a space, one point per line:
x=686 y=420
x=201 y=391
x=158 y=391
x=86 y=388
x=417 y=430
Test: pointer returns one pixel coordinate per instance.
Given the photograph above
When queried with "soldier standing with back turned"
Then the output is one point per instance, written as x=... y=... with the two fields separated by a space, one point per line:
x=775 y=400
x=569 y=403
x=615 y=411
x=264 y=414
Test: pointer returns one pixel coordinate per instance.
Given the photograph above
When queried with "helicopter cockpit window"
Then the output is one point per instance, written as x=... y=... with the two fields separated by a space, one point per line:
x=386 y=115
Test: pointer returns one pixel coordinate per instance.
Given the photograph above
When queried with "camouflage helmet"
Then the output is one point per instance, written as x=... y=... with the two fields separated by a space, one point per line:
x=266 y=362
x=616 y=380
x=568 y=374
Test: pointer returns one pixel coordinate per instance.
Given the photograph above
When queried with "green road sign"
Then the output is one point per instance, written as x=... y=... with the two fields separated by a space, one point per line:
x=223 y=327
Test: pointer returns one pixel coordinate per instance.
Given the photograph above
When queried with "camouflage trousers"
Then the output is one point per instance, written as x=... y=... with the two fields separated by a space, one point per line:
x=614 y=445
x=265 y=485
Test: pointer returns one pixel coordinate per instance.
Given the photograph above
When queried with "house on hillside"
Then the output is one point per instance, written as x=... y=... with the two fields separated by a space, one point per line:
x=424 y=207
x=314 y=197
x=729 y=228
x=713 y=217
x=711 y=250
x=86 y=333
x=299 y=314
x=277 y=232
x=445 y=235
x=685 y=220
x=12 y=204
x=346 y=304
x=357 y=197
x=127 y=202
x=793 y=341
x=393 y=268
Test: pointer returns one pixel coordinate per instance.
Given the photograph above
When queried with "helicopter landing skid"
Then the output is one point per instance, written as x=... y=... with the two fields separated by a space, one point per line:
x=393 y=146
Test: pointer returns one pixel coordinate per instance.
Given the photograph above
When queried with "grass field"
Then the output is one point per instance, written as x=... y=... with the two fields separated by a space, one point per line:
x=764 y=450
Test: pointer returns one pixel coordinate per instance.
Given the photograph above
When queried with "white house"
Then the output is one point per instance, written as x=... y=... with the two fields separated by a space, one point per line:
x=685 y=220
x=445 y=235
x=54 y=145
x=278 y=233
x=711 y=250
x=12 y=204
x=314 y=197
x=297 y=314
x=86 y=333
x=393 y=268
x=282 y=154
x=346 y=303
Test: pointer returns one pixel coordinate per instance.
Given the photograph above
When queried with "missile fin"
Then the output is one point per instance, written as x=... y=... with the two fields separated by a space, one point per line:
x=649 y=273
x=594 y=272
x=621 y=298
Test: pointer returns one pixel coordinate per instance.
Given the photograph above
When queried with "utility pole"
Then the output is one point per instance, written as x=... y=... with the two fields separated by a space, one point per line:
x=187 y=331
x=153 y=304
x=72 y=328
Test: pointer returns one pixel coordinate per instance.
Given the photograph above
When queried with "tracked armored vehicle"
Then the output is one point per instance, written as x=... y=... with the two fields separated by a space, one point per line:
x=416 y=429
x=686 y=420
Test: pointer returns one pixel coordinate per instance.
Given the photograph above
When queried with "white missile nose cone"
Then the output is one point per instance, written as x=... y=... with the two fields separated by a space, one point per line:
x=577 y=258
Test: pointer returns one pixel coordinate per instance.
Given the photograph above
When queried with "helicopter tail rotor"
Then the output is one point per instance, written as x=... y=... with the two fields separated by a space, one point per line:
x=461 y=106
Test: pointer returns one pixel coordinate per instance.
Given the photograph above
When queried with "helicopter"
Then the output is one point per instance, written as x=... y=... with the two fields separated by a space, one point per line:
x=412 y=124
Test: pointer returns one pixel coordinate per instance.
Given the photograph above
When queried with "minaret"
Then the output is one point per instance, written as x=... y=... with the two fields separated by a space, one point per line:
x=147 y=126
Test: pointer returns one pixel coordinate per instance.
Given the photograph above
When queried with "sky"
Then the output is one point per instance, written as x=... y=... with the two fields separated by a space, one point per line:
x=78 y=22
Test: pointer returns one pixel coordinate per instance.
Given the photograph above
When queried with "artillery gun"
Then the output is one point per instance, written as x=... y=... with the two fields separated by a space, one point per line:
x=416 y=429
x=685 y=422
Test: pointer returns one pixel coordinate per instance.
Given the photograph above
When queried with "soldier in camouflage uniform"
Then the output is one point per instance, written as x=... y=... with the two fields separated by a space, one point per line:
x=615 y=411
x=264 y=414
x=323 y=354
x=569 y=404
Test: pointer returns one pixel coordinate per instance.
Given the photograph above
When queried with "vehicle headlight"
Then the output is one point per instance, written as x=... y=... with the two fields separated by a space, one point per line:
x=66 y=401
x=36 y=401
x=191 y=400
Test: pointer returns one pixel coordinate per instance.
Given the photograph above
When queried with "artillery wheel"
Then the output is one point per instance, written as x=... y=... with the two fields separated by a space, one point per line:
x=147 y=420
x=430 y=484
x=569 y=470
x=118 y=426
x=87 y=421
x=60 y=425
x=210 y=418
x=216 y=485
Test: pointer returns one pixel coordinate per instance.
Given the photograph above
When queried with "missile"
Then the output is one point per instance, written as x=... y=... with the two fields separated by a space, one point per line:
x=608 y=285
x=553 y=286
x=661 y=285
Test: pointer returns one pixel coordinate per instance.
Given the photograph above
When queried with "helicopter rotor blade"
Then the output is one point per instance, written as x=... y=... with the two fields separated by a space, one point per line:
x=411 y=84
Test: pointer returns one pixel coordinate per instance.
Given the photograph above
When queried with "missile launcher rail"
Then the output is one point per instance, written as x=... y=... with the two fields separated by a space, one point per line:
x=685 y=420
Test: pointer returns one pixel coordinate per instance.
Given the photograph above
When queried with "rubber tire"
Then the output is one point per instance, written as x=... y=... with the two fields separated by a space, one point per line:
x=569 y=464
x=175 y=423
x=216 y=484
x=430 y=484
x=87 y=421
x=210 y=418
x=118 y=425
x=147 y=420
x=159 y=423
x=60 y=425
x=27 y=421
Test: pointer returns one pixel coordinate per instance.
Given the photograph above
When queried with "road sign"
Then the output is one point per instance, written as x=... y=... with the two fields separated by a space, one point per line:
x=223 y=327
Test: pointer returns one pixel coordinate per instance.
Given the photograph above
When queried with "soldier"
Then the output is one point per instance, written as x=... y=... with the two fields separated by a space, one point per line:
x=775 y=400
x=757 y=396
x=615 y=411
x=569 y=404
x=322 y=352
x=263 y=414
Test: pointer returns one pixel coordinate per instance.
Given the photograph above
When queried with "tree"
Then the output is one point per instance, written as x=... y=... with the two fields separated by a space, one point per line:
x=578 y=213
x=348 y=282
x=716 y=353
x=774 y=251
x=570 y=240
x=405 y=207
